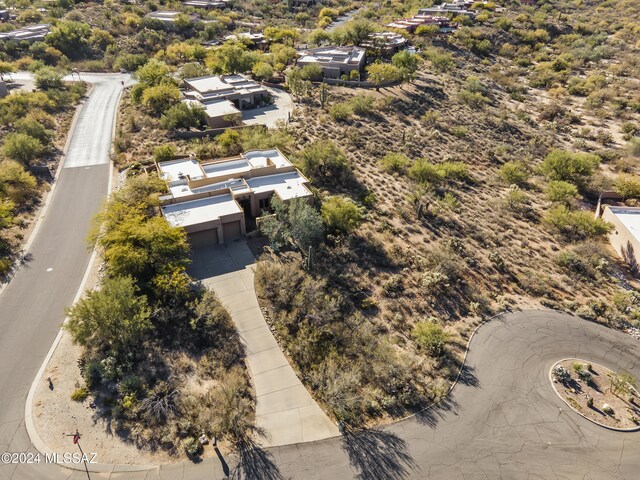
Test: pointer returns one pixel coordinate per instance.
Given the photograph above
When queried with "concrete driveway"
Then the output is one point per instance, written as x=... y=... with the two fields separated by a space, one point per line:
x=284 y=409
x=280 y=109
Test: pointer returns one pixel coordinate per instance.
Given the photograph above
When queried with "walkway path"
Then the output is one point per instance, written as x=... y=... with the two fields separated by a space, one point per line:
x=284 y=409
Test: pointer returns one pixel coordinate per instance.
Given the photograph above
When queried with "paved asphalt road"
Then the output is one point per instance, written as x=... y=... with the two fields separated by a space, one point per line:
x=503 y=420
x=32 y=306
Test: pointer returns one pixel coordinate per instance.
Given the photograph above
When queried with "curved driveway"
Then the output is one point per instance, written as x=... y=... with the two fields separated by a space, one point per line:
x=33 y=303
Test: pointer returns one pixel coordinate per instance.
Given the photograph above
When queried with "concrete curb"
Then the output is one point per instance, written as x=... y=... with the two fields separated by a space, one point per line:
x=54 y=182
x=608 y=427
x=37 y=442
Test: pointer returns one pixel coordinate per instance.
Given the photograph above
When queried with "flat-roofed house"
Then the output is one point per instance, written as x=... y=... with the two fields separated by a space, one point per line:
x=625 y=238
x=411 y=24
x=223 y=97
x=206 y=4
x=169 y=17
x=214 y=201
x=31 y=34
x=334 y=61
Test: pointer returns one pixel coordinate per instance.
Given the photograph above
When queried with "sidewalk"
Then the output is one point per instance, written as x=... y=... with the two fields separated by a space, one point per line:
x=284 y=409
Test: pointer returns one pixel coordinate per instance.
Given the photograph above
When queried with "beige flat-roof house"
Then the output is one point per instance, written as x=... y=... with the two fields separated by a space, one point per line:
x=217 y=201
x=223 y=97
x=34 y=33
x=206 y=4
x=169 y=17
x=335 y=61
x=625 y=238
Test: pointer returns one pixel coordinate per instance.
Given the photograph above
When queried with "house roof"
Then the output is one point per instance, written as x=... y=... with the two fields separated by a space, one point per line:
x=337 y=55
x=286 y=185
x=214 y=87
x=195 y=212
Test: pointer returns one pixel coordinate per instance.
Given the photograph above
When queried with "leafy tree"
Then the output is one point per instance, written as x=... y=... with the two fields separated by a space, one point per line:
x=431 y=337
x=380 y=73
x=576 y=168
x=193 y=70
x=22 y=147
x=48 y=78
x=114 y=318
x=281 y=56
x=232 y=57
x=135 y=241
x=305 y=224
x=152 y=73
x=323 y=160
x=16 y=184
x=160 y=98
x=130 y=61
x=71 y=38
x=319 y=37
x=183 y=115
x=514 y=173
x=407 y=63
x=427 y=30
x=101 y=39
x=395 y=162
x=286 y=36
x=341 y=214
x=262 y=71
x=576 y=225
x=559 y=191
x=440 y=59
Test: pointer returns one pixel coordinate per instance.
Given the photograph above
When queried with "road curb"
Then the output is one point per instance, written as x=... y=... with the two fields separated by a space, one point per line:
x=37 y=442
x=608 y=427
x=49 y=196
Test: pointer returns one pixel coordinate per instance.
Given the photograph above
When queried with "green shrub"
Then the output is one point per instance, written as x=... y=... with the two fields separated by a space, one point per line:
x=192 y=446
x=162 y=153
x=341 y=214
x=430 y=337
x=576 y=168
x=514 y=173
x=341 y=112
x=628 y=186
x=395 y=162
x=575 y=225
x=559 y=191
x=22 y=148
x=80 y=394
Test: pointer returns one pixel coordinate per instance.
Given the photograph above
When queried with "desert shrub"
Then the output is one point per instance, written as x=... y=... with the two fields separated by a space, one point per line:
x=628 y=186
x=324 y=161
x=341 y=214
x=517 y=201
x=424 y=171
x=341 y=112
x=440 y=59
x=561 y=374
x=430 y=337
x=363 y=105
x=158 y=99
x=395 y=162
x=576 y=168
x=559 y=191
x=22 y=148
x=575 y=225
x=80 y=394
x=16 y=184
x=634 y=146
x=162 y=153
x=514 y=173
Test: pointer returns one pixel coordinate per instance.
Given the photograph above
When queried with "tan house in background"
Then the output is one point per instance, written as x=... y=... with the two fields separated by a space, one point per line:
x=218 y=201
x=625 y=238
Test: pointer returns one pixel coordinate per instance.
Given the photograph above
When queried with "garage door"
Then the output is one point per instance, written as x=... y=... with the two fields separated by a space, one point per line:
x=206 y=237
x=231 y=230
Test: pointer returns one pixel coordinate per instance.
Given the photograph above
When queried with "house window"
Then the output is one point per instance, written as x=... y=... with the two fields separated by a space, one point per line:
x=264 y=203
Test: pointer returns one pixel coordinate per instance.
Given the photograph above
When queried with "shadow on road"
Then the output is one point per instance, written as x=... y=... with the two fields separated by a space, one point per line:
x=377 y=454
x=254 y=463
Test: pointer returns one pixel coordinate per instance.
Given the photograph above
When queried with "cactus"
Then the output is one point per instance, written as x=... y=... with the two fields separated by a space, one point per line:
x=324 y=94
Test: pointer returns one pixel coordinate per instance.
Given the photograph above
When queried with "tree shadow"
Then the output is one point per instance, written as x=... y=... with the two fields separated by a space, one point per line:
x=254 y=463
x=378 y=454
x=431 y=415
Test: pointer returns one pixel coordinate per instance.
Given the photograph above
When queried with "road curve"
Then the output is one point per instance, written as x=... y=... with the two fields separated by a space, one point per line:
x=32 y=305
x=502 y=420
